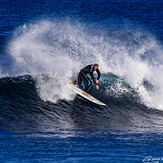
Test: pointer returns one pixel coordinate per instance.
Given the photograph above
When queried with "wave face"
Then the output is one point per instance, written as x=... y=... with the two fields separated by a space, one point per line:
x=22 y=109
x=53 y=52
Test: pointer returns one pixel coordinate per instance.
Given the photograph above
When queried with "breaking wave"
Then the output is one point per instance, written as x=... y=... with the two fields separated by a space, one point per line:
x=53 y=52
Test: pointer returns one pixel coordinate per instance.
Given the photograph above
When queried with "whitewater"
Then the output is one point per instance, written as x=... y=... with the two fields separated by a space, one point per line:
x=53 y=52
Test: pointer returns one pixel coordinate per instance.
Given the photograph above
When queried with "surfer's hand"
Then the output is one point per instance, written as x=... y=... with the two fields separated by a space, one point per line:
x=97 y=81
x=97 y=87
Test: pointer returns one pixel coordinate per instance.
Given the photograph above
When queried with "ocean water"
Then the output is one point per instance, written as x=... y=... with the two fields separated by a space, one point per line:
x=44 y=44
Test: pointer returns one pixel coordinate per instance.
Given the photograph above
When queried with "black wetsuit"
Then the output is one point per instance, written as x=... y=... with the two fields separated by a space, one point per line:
x=83 y=76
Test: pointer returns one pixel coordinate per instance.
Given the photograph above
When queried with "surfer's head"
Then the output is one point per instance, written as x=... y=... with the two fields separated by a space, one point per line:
x=95 y=67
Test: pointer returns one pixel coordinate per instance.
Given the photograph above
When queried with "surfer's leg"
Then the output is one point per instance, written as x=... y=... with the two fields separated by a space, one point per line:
x=89 y=82
x=79 y=79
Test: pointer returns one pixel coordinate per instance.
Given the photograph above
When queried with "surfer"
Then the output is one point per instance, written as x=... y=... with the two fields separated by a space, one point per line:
x=83 y=76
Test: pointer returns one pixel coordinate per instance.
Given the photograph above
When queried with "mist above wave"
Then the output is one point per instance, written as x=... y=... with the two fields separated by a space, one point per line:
x=61 y=48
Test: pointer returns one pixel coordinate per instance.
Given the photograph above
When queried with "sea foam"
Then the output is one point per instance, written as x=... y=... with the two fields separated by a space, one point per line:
x=55 y=51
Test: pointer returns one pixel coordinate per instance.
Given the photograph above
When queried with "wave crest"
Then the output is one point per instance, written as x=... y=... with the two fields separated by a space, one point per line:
x=61 y=48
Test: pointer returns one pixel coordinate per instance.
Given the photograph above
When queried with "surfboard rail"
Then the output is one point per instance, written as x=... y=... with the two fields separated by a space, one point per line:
x=88 y=97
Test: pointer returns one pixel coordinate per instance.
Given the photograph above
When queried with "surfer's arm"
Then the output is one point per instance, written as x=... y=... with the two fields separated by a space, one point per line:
x=99 y=74
x=92 y=76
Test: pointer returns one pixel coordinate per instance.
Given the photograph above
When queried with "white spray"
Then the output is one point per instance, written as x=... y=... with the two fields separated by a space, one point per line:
x=58 y=50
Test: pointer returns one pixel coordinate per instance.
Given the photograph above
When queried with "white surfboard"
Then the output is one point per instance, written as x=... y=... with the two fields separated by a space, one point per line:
x=88 y=97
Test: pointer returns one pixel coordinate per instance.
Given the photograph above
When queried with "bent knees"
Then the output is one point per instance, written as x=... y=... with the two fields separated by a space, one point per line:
x=89 y=82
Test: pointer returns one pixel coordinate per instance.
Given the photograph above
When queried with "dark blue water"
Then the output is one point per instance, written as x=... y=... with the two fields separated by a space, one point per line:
x=44 y=44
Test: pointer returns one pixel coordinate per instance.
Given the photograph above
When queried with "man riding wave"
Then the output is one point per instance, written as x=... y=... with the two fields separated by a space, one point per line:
x=83 y=76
